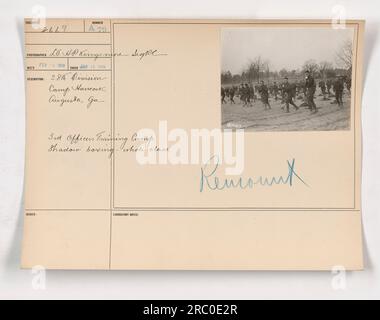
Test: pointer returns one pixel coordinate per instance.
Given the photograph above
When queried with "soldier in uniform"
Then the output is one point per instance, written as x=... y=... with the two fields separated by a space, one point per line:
x=251 y=93
x=232 y=94
x=247 y=98
x=245 y=95
x=309 y=91
x=223 y=93
x=263 y=90
x=241 y=92
x=289 y=92
x=338 y=89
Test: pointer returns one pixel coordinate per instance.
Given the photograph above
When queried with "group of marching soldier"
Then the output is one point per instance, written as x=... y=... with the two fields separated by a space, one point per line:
x=287 y=92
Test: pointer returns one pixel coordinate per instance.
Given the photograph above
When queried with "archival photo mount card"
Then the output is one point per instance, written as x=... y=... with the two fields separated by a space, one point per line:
x=193 y=144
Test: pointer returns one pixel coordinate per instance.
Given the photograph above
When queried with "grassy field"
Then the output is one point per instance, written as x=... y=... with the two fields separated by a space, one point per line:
x=255 y=118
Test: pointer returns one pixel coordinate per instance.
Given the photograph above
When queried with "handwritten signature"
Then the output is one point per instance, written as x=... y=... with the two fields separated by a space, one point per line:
x=209 y=179
x=146 y=53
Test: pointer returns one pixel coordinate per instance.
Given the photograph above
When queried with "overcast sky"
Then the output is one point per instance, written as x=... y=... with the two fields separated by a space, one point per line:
x=285 y=48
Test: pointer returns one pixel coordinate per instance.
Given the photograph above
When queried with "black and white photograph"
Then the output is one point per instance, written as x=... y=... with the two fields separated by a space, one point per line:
x=286 y=79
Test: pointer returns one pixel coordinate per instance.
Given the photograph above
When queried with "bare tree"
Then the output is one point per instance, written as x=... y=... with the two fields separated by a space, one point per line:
x=344 y=55
x=256 y=68
x=324 y=68
x=310 y=65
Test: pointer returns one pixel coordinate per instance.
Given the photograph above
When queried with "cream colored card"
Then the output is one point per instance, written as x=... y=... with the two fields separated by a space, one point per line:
x=193 y=144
